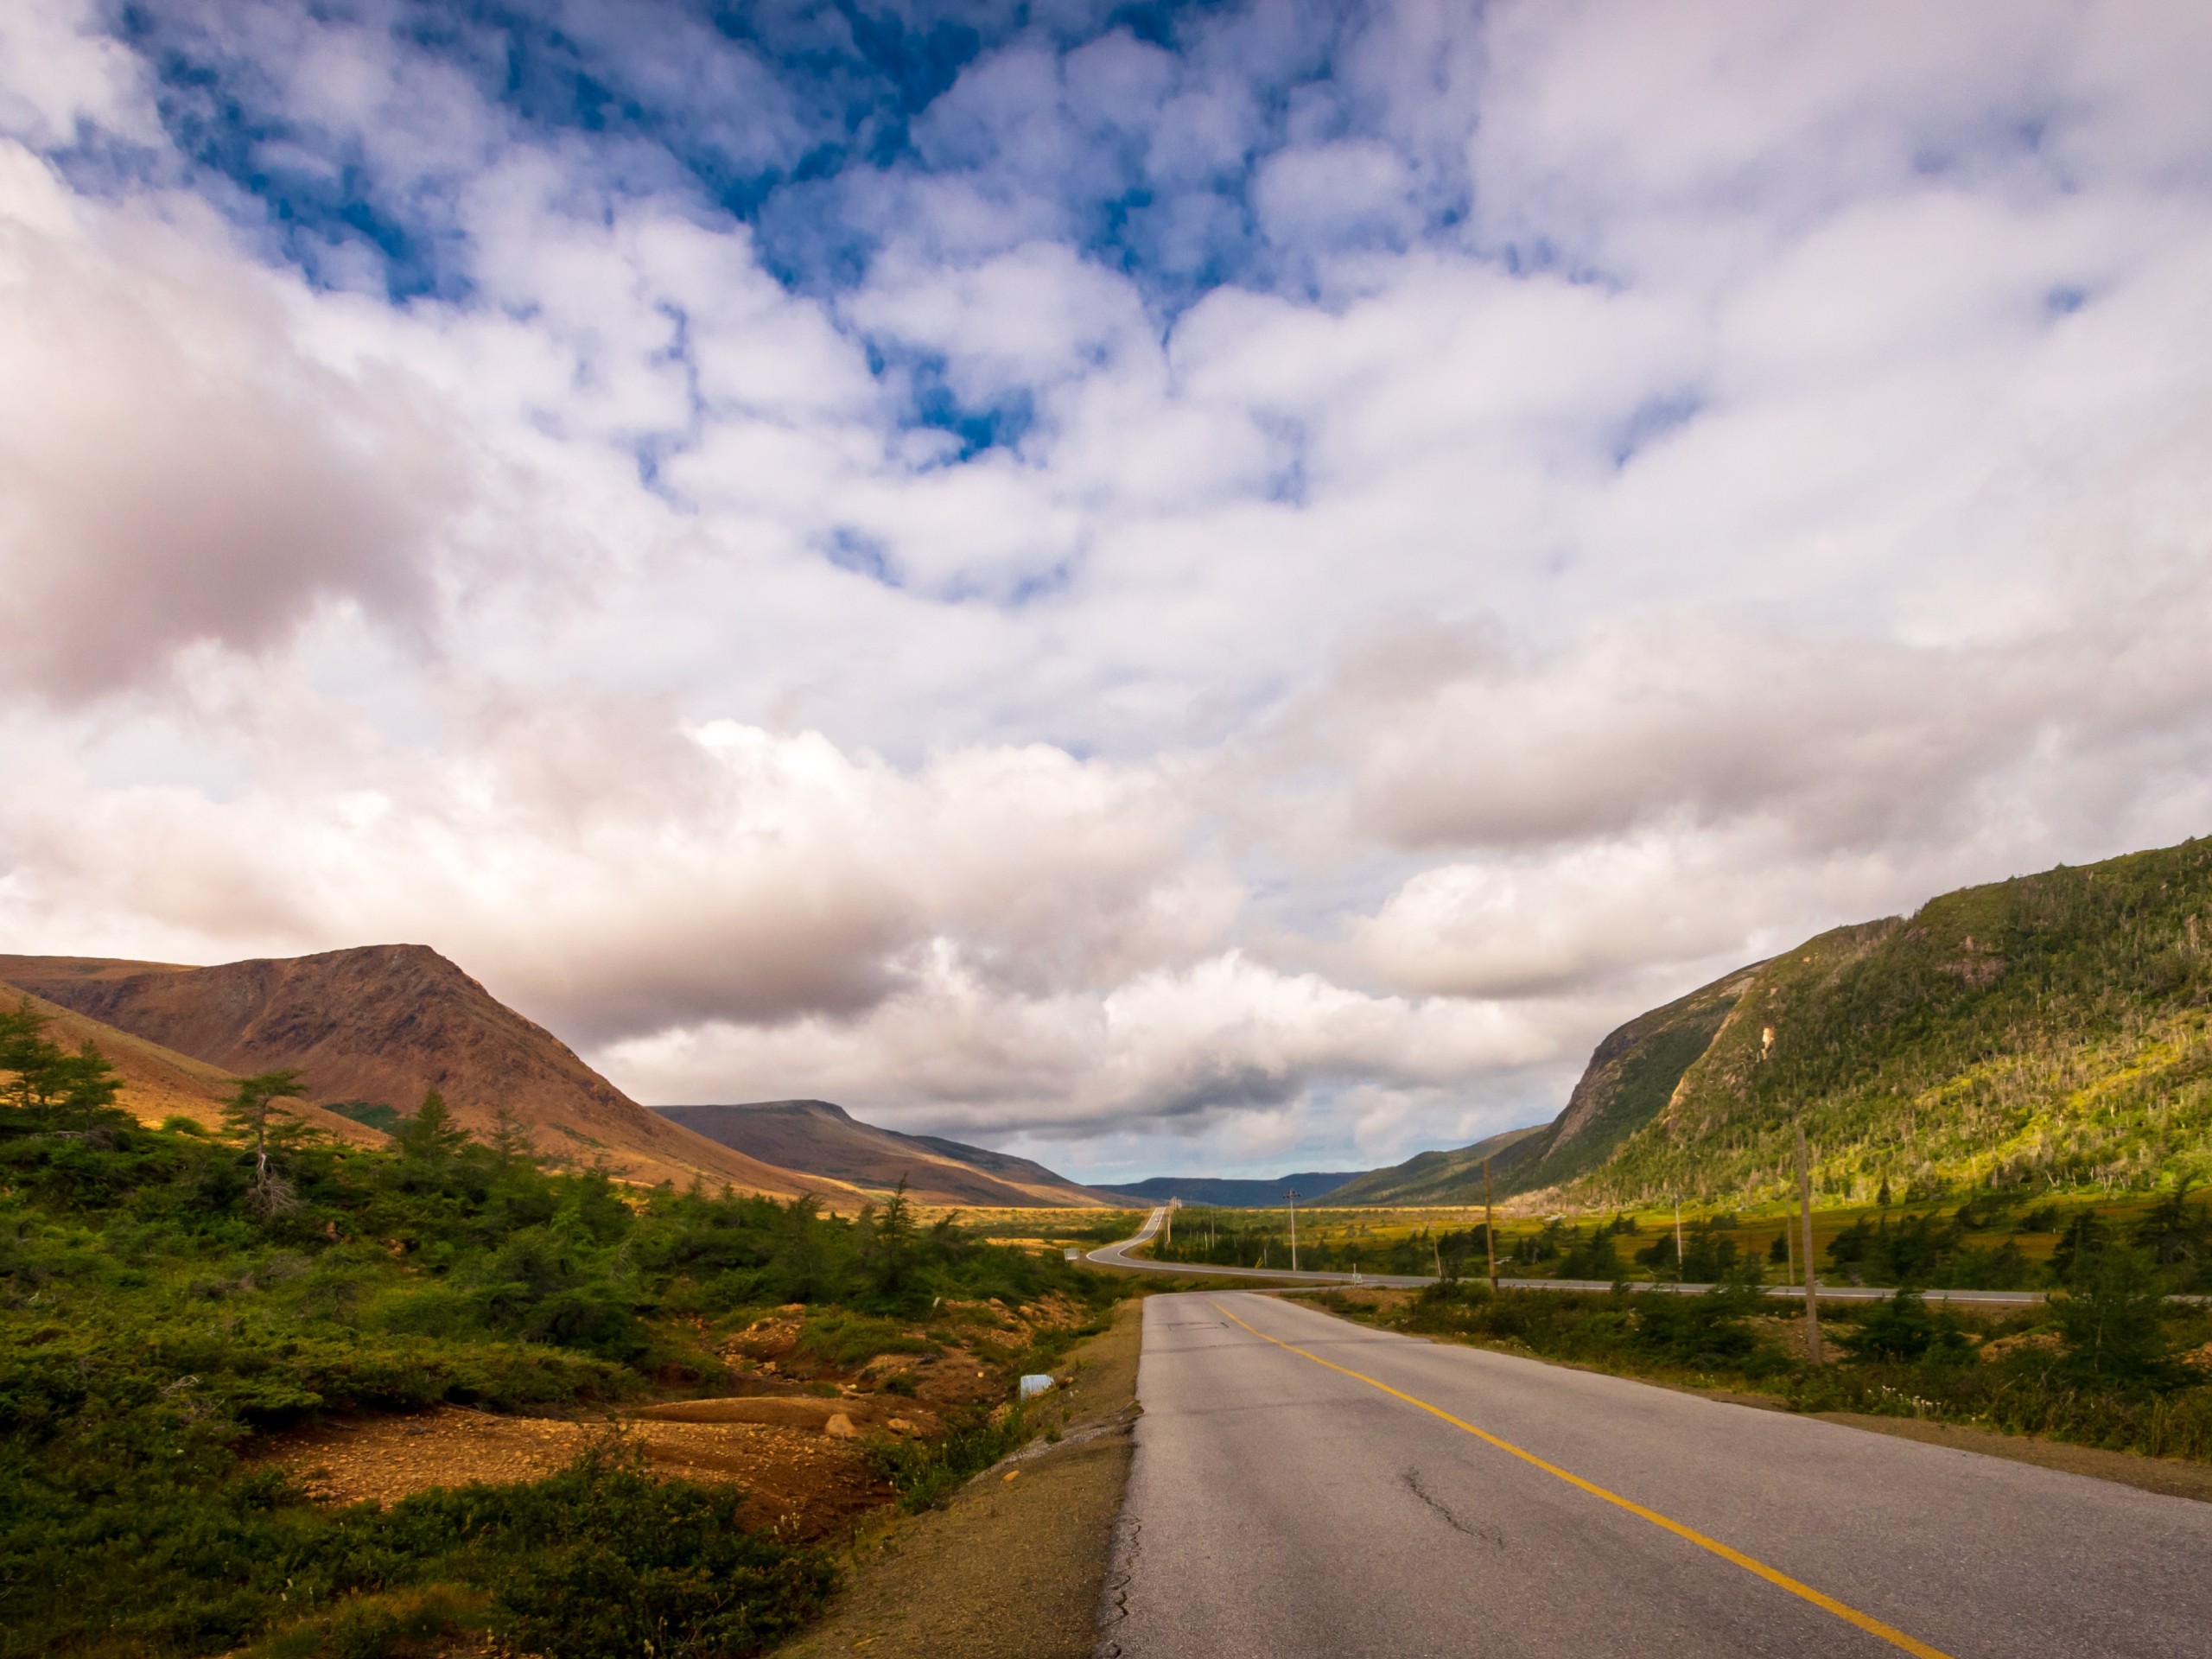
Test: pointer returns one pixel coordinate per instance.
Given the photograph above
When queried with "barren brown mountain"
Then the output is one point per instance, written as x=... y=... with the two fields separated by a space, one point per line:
x=159 y=1082
x=385 y=1023
x=821 y=1139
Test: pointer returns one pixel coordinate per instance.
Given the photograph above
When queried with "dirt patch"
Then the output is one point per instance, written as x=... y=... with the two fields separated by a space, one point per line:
x=799 y=1481
x=1013 y=1568
x=799 y=1411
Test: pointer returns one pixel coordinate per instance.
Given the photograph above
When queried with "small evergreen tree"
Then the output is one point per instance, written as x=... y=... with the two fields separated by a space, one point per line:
x=430 y=1138
x=46 y=1079
x=2176 y=1231
x=1902 y=1327
x=249 y=1116
x=2111 y=1321
x=510 y=1142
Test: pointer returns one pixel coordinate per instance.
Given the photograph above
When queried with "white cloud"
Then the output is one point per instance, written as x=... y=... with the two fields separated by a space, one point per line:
x=1746 y=467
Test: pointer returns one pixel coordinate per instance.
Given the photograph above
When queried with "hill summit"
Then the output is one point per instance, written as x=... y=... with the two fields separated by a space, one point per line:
x=378 y=1025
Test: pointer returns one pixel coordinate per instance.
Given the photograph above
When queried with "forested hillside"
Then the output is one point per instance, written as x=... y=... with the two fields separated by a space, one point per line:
x=2048 y=1030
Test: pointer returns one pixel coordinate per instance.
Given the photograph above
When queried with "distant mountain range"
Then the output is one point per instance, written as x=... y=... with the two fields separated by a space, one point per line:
x=2051 y=1030
x=823 y=1139
x=372 y=1029
x=1236 y=1193
x=2047 y=1031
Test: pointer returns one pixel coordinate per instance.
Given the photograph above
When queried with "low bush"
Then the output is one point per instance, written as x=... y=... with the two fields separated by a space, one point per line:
x=926 y=1472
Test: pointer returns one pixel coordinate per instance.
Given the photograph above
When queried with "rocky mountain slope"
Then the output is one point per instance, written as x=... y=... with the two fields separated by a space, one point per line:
x=157 y=1082
x=821 y=1138
x=382 y=1024
x=2047 y=1031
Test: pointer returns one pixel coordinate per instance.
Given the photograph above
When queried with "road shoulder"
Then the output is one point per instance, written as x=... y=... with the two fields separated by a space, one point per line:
x=2170 y=1477
x=1012 y=1568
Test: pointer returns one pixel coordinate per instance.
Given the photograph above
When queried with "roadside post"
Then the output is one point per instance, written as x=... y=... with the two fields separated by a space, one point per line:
x=1291 y=1192
x=1490 y=1229
x=1679 y=1274
x=1812 y=1279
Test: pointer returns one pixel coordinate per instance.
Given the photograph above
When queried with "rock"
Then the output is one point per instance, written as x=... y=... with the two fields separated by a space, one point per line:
x=899 y=1425
x=840 y=1428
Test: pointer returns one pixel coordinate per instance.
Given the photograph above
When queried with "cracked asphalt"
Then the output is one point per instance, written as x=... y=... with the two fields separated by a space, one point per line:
x=1278 y=1509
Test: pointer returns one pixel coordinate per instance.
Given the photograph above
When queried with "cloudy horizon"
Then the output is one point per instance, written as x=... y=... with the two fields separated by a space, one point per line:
x=1209 y=588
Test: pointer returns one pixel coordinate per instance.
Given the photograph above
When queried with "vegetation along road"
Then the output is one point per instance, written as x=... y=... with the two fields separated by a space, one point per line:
x=1117 y=1255
x=1306 y=1486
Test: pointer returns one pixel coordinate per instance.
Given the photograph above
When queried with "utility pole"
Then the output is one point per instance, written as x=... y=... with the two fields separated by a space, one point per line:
x=1490 y=1229
x=1679 y=1274
x=1811 y=1280
x=1291 y=1192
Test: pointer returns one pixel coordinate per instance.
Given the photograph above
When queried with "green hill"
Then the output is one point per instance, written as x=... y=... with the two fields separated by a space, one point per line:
x=1454 y=1177
x=2047 y=1032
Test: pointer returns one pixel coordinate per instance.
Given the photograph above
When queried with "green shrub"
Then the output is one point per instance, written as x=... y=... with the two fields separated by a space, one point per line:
x=926 y=1472
x=843 y=1338
x=1900 y=1327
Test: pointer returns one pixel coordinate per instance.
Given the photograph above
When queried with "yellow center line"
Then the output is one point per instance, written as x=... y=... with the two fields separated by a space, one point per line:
x=1872 y=1626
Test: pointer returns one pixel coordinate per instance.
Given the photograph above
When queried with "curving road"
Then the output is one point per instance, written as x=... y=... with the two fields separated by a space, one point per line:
x=1116 y=1255
x=1308 y=1489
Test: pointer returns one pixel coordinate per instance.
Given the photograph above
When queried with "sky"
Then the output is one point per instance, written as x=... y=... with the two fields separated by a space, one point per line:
x=1168 y=587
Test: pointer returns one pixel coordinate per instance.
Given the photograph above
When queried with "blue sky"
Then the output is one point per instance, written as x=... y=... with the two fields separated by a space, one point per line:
x=1209 y=588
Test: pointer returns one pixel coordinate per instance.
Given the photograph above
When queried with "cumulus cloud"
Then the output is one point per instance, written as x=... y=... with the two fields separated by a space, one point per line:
x=1234 y=586
x=175 y=467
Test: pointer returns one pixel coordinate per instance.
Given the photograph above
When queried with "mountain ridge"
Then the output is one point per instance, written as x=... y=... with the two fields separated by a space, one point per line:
x=819 y=1137
x=385 y=1023
x=2043 y=1032
x=1236 y=1191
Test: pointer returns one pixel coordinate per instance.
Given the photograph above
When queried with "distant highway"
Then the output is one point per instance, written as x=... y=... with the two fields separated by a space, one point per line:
x=1116 y=1255
x=1305 y=1488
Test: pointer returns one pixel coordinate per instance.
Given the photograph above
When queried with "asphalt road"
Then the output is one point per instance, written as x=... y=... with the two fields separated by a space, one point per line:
x=1278 y=1509
x=1116 y=1255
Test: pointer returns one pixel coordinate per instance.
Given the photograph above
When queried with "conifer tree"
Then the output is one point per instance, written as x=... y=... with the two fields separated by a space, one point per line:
x=250 y=1116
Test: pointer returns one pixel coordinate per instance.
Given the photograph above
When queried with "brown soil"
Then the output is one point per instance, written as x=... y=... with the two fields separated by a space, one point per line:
x=1015 y=1566
x=801 y=1481
x=777 y=1432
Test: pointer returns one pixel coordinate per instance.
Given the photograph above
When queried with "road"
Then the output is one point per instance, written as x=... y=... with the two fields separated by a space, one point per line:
x=1116 y=1255
x=1309 y=1488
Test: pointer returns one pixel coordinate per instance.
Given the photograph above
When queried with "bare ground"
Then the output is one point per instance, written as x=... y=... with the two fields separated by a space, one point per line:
x=1014 y=1566
x=798 y=1480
